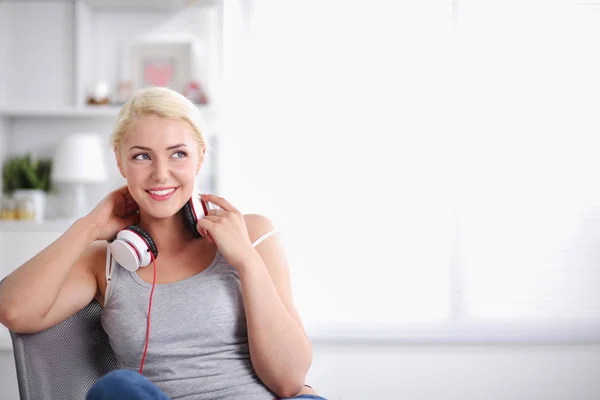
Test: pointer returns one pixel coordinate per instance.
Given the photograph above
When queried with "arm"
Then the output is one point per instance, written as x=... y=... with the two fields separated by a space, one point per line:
x=60 y=280
x=280 y=349
x=51 y=286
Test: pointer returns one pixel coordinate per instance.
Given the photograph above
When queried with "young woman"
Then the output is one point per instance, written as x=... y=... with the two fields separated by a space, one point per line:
x=223 y=323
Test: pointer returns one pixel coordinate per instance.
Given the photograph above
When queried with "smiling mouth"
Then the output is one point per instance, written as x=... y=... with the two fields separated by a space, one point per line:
x=161 y=193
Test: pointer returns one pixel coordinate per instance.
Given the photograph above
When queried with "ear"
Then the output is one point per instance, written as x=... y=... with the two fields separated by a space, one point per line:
x=119 y=164
x=200 y=161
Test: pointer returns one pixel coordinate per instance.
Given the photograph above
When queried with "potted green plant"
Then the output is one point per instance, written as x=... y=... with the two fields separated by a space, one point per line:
x=27 y=181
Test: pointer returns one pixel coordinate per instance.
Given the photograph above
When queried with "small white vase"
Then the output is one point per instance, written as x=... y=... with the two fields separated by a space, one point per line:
x=37 y=197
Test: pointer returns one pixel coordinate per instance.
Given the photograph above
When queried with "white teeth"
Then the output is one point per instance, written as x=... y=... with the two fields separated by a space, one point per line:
x=161 y=192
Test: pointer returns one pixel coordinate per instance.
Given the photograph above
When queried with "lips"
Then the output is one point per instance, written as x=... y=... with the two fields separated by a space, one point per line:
x=161 y=193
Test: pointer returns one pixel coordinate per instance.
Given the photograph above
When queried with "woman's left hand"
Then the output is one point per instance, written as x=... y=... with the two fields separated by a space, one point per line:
x=228 y=230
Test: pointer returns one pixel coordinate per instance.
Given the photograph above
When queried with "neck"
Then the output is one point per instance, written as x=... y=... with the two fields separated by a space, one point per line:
x=170 y=235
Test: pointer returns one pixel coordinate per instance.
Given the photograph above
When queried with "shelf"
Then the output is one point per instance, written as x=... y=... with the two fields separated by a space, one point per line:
x=155 y=5
x=91 y=41
x=52 y=225
x=84 y=112
x=74 y=112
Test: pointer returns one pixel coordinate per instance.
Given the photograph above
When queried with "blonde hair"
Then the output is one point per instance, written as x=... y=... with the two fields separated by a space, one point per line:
x=164 y=103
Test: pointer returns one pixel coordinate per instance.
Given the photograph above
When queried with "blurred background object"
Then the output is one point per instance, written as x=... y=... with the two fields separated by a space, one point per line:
x=25 y=183
x=78 y=162
x=195 y=93
x=98 y=93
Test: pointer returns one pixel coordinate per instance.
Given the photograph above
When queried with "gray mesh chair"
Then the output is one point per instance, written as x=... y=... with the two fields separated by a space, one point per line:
x=64 y=361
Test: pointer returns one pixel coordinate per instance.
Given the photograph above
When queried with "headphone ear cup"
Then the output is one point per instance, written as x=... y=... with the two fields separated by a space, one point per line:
x=193 y=211
x=146 y=237
x=190 y=217
x=131 y=248
x=124 y=254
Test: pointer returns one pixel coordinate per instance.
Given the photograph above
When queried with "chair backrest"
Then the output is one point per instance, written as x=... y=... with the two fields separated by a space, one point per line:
x=64 y=361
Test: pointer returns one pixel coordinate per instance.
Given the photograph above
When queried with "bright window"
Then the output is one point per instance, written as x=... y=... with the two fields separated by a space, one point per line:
x=432 y=164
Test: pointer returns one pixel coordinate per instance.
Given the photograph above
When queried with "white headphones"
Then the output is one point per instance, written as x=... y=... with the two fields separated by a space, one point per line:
x=132 y=246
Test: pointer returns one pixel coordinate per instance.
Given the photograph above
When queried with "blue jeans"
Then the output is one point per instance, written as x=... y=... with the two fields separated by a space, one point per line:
x=131 y=385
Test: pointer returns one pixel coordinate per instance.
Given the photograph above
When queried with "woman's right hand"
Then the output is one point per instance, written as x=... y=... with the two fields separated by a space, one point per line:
x=115 y=212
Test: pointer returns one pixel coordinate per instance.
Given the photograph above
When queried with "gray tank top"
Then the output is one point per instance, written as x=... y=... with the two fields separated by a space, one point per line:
x=198 y=347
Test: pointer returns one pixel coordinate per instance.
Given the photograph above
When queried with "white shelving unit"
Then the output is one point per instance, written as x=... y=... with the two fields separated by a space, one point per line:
x=86 y=41
x=51 y=51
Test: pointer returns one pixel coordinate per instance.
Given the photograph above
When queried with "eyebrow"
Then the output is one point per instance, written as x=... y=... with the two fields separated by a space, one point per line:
x=149 y=149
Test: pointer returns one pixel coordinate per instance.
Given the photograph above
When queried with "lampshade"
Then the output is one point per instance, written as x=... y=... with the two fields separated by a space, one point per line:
x=79 y=159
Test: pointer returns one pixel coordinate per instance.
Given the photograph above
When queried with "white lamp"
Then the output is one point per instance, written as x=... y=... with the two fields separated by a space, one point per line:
x=79 y=160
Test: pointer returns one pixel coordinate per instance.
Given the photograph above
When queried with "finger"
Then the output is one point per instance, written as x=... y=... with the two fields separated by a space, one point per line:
x=119 y=198
x=207 y=223
x=125 y=207
x=219 y=201
x=206 y=234
x=216 y=212
x=119 y=207
x=131 y=209
x=214 y=219
x=203 y=226
x=124 y=191
x=130 y=200
x=131 y=219
x=131 y=214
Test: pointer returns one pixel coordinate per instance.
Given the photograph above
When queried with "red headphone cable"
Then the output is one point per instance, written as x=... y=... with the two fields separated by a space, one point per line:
x=149 y=310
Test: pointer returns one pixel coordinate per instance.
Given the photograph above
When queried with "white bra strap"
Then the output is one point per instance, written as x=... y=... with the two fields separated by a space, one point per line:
x=265 y=236
x=108 y=263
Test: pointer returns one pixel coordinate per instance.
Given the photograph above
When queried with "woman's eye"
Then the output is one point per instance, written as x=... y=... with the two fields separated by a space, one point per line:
x=180 y=154
x=141 y=156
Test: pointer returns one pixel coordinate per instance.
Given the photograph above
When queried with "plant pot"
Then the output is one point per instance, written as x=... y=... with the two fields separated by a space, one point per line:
x=30 y=204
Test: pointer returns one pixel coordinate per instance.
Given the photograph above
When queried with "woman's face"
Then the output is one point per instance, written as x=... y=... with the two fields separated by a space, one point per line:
x=160 y=160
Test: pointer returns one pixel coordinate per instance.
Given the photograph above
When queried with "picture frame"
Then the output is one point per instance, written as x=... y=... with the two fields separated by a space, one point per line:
x=166 y=64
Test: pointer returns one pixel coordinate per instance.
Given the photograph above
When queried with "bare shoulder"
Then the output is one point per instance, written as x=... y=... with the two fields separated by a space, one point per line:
x=270 y=247
x=257 y=225
x=273 y=255
x=94 y=258
x=96 y=251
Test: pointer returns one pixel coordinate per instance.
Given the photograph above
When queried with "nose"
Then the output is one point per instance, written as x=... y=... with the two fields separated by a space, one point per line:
x=160 y=172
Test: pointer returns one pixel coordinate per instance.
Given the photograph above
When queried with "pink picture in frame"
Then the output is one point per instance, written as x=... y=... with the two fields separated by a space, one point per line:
x=158 y=72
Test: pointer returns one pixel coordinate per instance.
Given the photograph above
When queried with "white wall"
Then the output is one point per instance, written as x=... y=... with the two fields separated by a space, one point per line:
x=46 y=27
x=3 y=140
x=379 y=371
x=456 y=372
